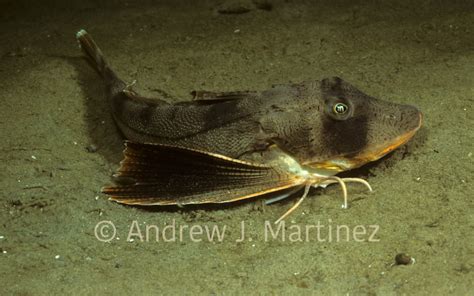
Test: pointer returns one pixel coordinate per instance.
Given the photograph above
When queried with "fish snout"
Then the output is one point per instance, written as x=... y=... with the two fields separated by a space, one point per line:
x=411 y=118
x=399 y=130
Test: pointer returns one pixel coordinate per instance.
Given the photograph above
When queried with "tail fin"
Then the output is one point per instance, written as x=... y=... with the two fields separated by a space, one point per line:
x=96 y=58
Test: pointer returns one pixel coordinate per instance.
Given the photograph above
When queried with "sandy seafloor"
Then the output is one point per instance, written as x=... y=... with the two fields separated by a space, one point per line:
x=53 y=107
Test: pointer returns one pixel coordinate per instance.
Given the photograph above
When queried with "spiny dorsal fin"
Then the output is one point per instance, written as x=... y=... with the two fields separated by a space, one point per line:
x=222 y=96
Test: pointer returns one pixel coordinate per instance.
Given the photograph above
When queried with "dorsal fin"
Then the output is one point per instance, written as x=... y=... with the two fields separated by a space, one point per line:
x=222 y=96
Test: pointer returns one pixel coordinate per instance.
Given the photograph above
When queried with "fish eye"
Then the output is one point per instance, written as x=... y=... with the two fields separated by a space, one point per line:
x=340 y=108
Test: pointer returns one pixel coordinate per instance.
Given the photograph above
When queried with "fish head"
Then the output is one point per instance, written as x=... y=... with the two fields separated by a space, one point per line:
x=356 y=128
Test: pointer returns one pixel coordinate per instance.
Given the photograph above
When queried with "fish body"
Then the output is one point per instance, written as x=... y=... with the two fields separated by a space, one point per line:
x=317 y=128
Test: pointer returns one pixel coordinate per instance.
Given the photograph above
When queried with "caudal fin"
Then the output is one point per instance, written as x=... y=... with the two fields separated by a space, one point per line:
x=96 y=58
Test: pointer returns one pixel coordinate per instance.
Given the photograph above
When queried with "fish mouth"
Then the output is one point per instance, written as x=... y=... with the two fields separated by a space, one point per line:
x=344 y=163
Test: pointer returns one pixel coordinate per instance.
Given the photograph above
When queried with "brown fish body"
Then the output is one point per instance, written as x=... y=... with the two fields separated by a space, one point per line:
x=327 y=125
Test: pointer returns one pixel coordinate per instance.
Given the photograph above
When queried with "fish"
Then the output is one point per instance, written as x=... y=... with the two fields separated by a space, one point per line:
x=221 y=147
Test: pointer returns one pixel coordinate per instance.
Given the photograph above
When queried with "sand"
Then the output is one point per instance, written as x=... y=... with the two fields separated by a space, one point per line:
x=59 y=146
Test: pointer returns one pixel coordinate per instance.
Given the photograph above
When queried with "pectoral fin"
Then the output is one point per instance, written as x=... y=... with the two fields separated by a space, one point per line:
x=165 y=175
